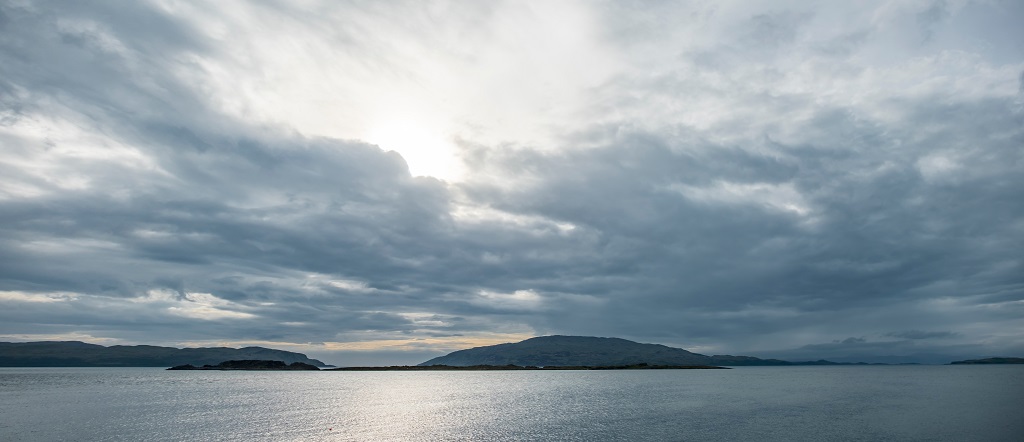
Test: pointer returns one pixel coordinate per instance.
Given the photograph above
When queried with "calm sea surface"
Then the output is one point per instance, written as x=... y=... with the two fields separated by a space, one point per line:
x=983 y=403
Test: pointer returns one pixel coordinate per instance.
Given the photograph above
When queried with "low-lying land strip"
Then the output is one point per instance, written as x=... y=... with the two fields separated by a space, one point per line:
x=249 y=364
x=528 y=367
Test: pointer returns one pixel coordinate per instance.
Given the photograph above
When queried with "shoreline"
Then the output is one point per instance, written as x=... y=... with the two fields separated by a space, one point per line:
x=530 y=367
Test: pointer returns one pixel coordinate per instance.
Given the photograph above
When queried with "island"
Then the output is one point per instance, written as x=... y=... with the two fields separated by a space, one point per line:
x=987 y=361
x=591 y=351
x=250 y=364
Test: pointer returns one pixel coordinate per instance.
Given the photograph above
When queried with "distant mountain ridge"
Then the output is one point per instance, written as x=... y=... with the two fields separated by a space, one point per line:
x=988 y=361
x=81 y=354
x=594 y=351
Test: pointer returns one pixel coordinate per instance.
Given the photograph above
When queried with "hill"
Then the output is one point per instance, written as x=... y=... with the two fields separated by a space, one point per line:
x=591 y=351
x=81 y=354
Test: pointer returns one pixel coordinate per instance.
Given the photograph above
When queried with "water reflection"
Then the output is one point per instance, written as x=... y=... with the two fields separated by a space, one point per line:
x=756 y=403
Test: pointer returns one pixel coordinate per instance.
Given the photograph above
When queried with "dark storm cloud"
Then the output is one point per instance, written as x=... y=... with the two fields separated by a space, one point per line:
x=142 y=211
x=875 y=229
x=206 y=204
x=822 y=218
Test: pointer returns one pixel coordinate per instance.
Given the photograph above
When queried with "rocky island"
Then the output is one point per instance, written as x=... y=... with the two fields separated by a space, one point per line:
x=250 y=364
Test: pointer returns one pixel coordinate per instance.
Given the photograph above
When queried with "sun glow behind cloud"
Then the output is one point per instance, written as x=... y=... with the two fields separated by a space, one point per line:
x=496 y=72
x=424 y=145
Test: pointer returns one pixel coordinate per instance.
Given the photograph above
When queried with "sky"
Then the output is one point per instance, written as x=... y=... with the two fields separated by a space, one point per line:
x=383 y=182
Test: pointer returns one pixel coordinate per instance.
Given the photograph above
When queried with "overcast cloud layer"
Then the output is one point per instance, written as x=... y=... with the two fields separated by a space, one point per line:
x=776 y=179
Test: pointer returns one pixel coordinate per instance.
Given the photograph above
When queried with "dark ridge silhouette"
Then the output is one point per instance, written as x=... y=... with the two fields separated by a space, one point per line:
x=587 y=351
x=81 y=354
x=987 y=361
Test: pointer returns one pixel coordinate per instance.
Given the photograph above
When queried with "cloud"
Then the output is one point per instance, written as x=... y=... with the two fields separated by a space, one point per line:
x=921 y=334
x=926 y=19
x=732 y=177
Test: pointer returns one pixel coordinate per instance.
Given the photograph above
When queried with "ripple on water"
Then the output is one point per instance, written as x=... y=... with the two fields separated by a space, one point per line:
x=762 y=403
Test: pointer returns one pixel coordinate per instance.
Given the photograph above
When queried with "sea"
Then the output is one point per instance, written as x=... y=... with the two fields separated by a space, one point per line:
x=831 y=403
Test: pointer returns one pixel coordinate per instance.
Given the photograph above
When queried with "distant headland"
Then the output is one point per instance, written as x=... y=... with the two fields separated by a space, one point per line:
x=987 y=361
x=81 y=354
